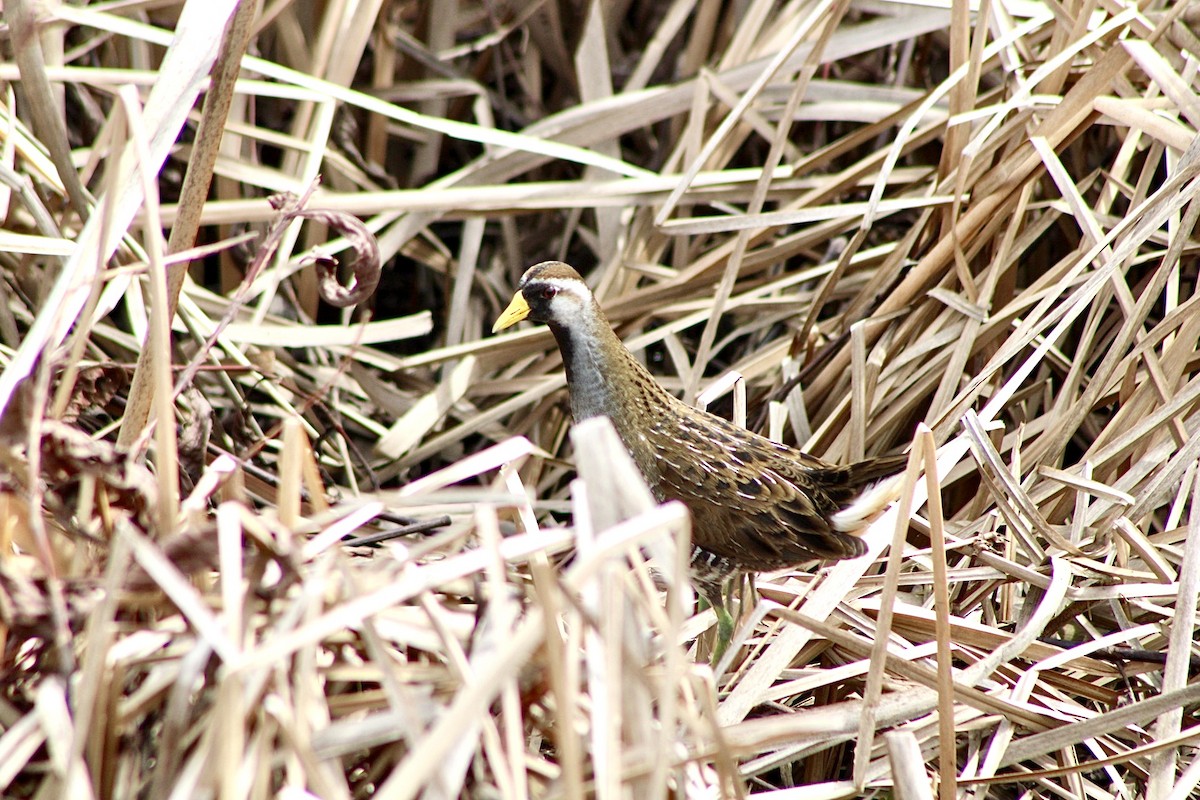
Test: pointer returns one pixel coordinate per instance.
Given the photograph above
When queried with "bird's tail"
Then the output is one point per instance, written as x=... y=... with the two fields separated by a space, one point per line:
x=880 y=485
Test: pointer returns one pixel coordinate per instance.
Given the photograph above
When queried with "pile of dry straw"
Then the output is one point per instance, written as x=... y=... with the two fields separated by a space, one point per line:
x=964 y=229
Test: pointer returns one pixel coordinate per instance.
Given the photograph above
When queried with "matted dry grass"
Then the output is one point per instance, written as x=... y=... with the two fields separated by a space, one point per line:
x=864 y=226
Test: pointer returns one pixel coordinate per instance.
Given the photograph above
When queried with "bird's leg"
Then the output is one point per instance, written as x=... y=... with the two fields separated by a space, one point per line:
x=724 y=624
x=719 y=595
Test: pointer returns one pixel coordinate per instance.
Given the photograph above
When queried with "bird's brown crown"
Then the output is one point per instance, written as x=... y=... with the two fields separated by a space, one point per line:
x=549 y=271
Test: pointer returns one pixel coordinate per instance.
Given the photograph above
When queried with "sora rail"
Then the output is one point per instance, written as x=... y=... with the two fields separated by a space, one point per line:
x=756 y=505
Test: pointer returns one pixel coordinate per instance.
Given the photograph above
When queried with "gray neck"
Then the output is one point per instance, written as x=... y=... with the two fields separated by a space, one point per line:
x=604 y=377
x=589 y=371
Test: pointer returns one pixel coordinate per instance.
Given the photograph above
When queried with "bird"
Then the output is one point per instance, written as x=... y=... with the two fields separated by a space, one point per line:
x=756 y=505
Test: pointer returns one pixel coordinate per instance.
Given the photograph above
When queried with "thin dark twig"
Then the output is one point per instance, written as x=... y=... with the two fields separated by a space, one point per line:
x=395 y=533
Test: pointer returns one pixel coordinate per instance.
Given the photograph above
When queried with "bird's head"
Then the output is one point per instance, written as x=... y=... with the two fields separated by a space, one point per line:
x=550 y=292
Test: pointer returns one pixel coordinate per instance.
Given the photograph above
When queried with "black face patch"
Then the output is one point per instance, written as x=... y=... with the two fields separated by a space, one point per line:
x=540 y=295
x=552 y=298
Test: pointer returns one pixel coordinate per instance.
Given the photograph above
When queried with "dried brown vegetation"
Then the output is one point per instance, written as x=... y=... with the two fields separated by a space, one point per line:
x=963 y=229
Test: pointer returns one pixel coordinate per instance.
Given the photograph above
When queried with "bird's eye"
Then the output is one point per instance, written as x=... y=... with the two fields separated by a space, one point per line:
x=549 y=292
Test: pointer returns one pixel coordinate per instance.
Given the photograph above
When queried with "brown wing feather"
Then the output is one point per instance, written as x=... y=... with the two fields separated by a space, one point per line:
x=759 y=503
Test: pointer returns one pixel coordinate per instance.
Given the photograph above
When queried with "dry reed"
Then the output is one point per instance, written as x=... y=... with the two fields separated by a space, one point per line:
x=959 y=228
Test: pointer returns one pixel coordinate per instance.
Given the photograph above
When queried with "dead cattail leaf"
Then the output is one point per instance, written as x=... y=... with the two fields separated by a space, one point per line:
x=395 y=573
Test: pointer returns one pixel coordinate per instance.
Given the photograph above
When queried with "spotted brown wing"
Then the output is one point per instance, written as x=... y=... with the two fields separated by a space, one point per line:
x=760 y=504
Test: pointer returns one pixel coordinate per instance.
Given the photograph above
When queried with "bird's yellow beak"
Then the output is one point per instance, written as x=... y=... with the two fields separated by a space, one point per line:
x=517 y=310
